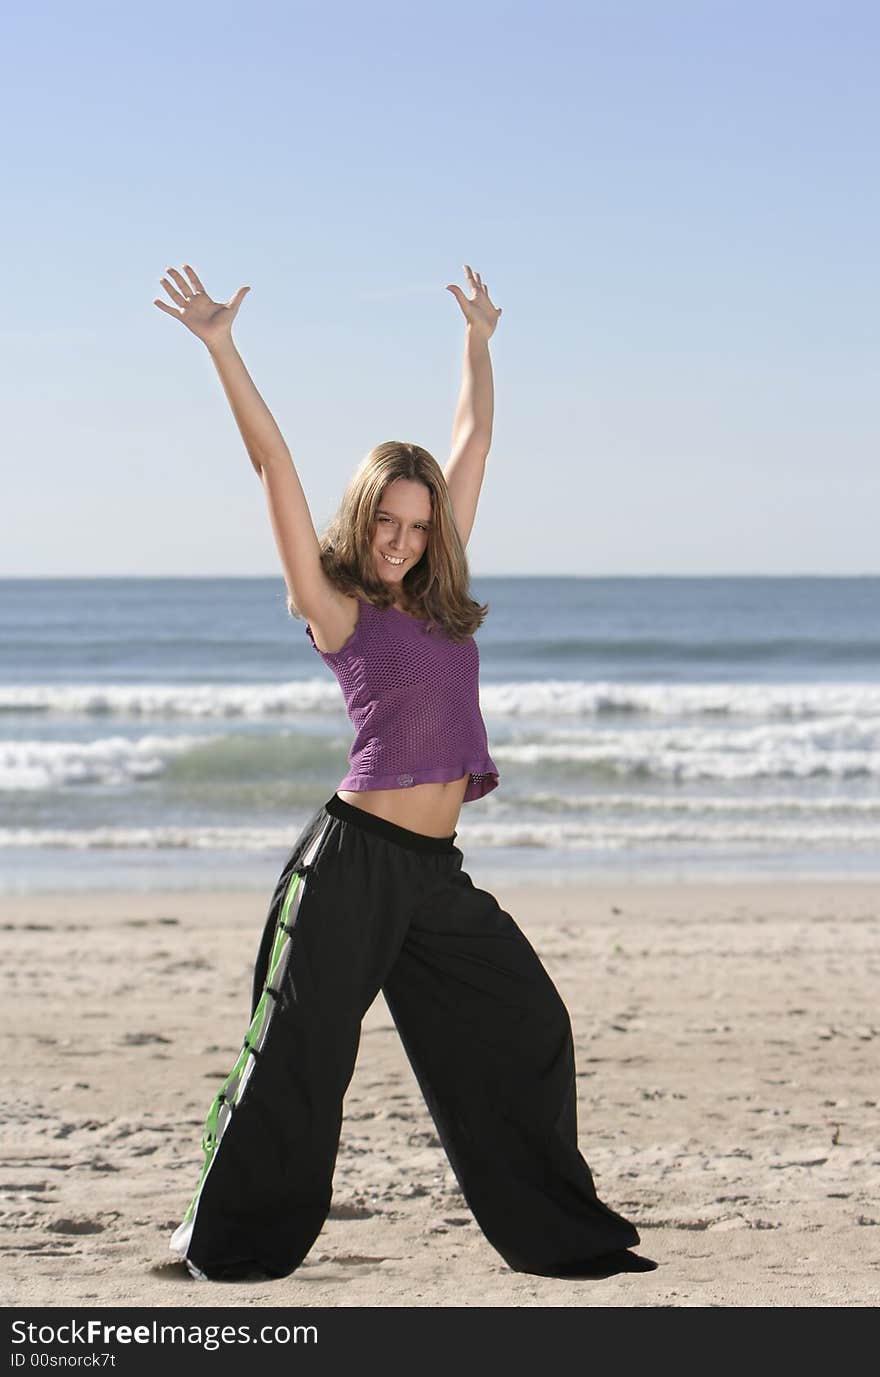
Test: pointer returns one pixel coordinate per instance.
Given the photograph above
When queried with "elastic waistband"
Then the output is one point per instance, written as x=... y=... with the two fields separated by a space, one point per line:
x=380 y=827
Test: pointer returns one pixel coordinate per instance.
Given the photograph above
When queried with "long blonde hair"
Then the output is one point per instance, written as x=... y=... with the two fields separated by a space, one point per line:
x=437 y=587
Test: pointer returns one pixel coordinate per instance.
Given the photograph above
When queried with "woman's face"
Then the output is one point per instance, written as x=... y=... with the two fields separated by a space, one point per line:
x=403 y=521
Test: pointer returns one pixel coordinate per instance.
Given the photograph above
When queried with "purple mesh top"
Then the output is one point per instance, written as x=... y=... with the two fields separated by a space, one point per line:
x=412 y=694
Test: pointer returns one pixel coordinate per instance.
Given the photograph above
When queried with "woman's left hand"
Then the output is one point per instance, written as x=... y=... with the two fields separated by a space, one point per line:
x=478 y=310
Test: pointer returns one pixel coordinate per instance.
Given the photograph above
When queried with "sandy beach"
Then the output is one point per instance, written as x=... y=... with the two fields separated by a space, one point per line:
x=726 y=1038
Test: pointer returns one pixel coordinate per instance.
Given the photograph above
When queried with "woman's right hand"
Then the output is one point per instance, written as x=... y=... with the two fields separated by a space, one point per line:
x=210 y=321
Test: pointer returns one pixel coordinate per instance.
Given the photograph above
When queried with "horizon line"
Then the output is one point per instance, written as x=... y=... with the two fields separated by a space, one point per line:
x=279 y=578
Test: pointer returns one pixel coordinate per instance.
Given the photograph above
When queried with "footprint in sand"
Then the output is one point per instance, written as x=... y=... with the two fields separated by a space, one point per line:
x=353 y=1209
x=172 y=1270
x=424 y=1138
x=77 y=1225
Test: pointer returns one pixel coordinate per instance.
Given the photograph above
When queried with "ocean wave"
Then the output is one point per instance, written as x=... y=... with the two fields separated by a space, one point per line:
x=588 y=837
x=114 y=760
x=201 y=838
x=548 y=698
x=760 y=650
x=172 y=700
x=694 y=805
x=626 y=834
x=195 y=762
x=847 y=749
x=579 y=698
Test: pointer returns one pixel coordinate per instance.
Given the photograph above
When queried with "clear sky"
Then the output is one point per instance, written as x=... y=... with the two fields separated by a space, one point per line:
x=674 y=201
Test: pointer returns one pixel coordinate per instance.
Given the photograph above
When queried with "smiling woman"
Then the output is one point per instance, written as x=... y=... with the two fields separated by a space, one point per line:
x=393 y=546
x=394 y=541
x=373 y=895
x=402 y=533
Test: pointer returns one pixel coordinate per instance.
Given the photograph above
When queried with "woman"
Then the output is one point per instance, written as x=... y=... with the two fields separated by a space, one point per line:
x=373 y=895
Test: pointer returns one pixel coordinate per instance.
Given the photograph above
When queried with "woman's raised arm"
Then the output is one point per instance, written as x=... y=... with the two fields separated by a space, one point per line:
x=472 y=427
x=295 y=536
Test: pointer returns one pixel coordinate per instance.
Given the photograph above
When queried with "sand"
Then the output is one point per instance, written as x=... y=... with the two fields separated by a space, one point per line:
x=726 y=1038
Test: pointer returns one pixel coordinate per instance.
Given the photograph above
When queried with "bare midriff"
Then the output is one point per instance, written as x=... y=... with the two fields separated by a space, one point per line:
x=431 y=809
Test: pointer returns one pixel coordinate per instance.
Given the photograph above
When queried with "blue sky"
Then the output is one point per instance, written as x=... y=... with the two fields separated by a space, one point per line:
x=676 y=204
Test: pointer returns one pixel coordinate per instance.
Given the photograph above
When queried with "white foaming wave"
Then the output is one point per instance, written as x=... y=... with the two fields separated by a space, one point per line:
x=542 y=698
x=625 y=834
x=609 y=835
x=34 y=765
x=696 y=805
x=576 y=698
x=173 y=700
x=254 y=839
x=843 y=749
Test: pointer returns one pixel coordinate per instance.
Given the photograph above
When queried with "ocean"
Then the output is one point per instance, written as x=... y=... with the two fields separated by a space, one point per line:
x=176 y=733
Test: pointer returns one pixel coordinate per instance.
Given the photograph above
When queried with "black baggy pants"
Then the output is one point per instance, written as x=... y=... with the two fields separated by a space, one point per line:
x=363 y=905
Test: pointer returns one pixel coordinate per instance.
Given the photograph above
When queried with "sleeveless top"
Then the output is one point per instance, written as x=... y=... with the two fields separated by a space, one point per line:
x=412 y=694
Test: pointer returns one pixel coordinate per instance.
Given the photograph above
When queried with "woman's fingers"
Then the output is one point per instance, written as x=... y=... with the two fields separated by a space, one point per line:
x=193 y=277
x=235 y=301
x=475 y=280
x=477 y=308
x=173 y=292
x=479 y=286
x=182 y=283
x=208 y=320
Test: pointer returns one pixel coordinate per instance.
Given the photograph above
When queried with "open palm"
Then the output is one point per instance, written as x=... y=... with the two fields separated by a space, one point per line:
x=208 y=320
